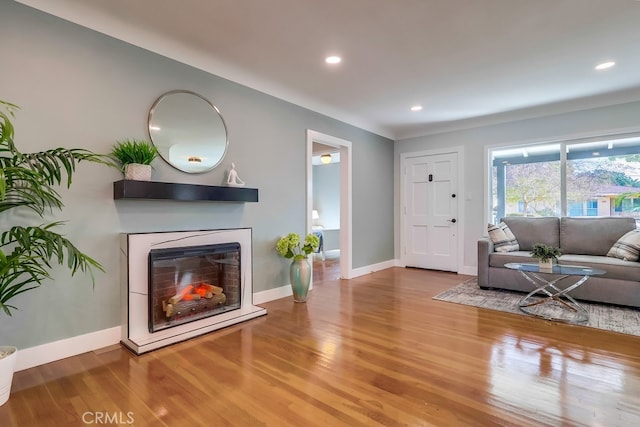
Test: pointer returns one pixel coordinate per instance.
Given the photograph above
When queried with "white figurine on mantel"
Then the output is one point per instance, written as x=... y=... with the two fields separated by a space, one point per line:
x=233 y=180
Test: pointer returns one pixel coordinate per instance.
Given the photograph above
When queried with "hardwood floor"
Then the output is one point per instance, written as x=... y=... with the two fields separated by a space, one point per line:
x=327 y=268
x=375 y=350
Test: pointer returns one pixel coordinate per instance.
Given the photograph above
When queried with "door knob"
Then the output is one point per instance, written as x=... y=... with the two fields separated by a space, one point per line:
x=453 y=220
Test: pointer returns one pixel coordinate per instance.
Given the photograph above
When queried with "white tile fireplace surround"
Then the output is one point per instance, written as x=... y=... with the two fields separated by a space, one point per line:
x=135 y=287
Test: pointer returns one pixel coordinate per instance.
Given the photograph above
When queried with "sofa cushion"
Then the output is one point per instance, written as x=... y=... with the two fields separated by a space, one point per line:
x=502 y=238
x=627 y=247
x=615 y=268
x=497 y=259
x=592 y=236
x=529 y=231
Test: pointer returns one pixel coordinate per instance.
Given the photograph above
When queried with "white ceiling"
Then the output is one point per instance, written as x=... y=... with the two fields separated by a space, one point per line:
x=468 y=62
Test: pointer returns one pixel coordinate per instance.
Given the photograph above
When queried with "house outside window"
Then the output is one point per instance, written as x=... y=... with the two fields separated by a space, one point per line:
x=577 y=178
x=592 y=208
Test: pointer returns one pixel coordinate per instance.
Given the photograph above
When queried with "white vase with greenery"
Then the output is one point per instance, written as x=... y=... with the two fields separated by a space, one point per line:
x=546 y=255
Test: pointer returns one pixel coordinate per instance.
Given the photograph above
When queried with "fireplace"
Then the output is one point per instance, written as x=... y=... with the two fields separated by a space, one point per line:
x=192 y=282
x=177 y=285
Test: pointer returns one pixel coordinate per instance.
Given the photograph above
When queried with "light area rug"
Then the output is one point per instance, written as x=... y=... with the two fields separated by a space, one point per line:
x=601 y=316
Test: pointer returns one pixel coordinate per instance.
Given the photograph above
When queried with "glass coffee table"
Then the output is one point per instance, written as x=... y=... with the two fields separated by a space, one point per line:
x=546 y=293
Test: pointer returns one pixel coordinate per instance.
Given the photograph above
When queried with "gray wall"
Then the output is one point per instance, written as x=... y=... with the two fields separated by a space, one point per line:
x=595 y=121
x=79 y=88
x=326 y=194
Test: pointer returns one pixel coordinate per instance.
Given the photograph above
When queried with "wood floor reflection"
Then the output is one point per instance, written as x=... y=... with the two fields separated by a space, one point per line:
x=326 y=267
x=375 y=350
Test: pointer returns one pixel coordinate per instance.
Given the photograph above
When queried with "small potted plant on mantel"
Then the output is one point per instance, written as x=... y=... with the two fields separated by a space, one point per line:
x=136 y=156
x=546 y=255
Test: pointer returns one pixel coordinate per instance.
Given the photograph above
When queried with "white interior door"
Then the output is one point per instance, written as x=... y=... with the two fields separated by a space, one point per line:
x=430 y=212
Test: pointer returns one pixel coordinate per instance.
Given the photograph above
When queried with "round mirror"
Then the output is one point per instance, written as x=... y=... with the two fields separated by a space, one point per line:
x=188 y=131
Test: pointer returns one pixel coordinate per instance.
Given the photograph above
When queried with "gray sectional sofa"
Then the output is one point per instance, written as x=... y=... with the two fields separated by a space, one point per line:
x=583 y=241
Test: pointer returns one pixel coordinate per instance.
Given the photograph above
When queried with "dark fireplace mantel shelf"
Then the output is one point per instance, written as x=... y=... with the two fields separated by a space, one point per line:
x=152 y=190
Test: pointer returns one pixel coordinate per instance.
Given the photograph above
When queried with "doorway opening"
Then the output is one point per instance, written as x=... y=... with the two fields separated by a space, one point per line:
x=329 y=199
x=325 y=215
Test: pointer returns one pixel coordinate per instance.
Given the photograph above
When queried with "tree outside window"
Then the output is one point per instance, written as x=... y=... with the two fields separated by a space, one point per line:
x=602 y=179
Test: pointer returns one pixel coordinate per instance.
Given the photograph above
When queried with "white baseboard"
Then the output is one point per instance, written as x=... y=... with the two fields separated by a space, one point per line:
x=285 y=291
x=361 y=271
x=272 y=294
x=468 y=270
x=50 y=352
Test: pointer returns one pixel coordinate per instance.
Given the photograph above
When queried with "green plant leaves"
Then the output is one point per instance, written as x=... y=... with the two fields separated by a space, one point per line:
x=130 y=151
x=544 y=252
x=289 y=246
x=27 y=180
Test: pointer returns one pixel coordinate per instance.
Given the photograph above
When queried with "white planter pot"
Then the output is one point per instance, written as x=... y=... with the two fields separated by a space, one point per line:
x=7 y=366
x=546 y=265
x=137 y=172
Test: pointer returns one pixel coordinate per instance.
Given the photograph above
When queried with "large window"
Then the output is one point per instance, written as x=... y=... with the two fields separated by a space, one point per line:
x=596 y=178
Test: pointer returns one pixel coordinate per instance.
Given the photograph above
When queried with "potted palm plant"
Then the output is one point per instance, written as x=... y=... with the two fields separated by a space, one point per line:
x=135 y=156
x=546 y=255
x=27 y=253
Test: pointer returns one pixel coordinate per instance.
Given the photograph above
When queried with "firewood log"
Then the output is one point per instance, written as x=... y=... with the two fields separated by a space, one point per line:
x=177 y=297
x=169 y=310
x=219 y=299
x=216 y=290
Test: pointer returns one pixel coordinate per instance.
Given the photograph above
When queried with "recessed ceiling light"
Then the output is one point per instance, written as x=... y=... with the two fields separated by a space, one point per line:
x=605 y=65
x=416 y=108
x=333 y=59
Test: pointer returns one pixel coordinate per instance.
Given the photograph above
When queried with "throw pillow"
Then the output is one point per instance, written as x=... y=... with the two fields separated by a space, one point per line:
x=502 y=238
x=627 y=247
